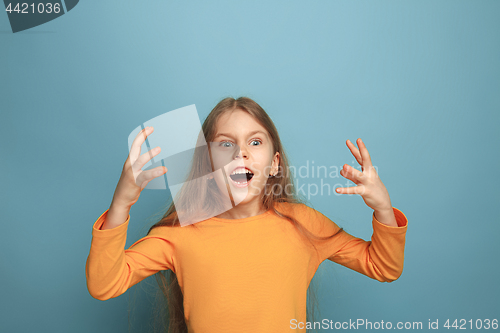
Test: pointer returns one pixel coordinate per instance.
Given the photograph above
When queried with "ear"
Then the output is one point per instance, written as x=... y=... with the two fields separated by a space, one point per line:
x=275 y=163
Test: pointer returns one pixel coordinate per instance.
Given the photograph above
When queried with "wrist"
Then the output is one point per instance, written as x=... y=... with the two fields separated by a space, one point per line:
x=386 y=217
x=117 y=205
x=116 y=216
x=384 y=210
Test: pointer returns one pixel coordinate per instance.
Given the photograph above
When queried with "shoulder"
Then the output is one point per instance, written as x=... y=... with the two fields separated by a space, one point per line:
x=298 y=210
x=309 y=217
x=171 y=232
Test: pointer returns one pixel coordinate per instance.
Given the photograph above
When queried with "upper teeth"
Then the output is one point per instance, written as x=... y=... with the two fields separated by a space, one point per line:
x=241 y=171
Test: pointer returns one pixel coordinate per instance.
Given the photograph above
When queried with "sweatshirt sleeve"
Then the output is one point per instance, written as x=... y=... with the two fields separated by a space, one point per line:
x=110 y=269
x=381 y=258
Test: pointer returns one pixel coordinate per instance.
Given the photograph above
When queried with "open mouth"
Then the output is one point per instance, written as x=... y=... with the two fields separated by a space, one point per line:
x=241 y=176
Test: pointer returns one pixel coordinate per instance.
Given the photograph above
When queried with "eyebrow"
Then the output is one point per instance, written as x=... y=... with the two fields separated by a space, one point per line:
x=250 y=134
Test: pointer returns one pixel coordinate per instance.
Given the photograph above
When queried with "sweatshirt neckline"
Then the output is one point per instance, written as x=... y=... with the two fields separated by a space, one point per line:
x=245 y=219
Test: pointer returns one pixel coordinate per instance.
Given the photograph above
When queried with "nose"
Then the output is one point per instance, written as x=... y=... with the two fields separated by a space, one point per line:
x=241 y=153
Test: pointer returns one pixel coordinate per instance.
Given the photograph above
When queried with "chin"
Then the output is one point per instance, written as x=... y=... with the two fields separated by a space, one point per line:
x=249 y=198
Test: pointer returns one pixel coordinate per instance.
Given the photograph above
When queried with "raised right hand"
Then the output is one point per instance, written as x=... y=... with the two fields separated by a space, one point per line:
x=133 y=179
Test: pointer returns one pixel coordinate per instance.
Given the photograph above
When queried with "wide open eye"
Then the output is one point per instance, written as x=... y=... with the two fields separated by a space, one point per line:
x=258 y=141
x=225 y=144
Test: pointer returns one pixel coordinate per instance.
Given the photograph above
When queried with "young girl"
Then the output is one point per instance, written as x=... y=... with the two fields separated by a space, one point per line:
x=247 y=269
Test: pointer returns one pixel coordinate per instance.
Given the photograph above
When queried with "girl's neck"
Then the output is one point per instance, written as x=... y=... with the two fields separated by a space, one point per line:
x=242 y=211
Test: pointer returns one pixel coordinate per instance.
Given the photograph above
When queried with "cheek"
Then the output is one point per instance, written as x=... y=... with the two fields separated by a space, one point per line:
x=262 y=169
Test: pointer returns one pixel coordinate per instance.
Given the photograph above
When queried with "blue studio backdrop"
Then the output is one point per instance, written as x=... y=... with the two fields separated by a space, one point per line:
x=418 y=81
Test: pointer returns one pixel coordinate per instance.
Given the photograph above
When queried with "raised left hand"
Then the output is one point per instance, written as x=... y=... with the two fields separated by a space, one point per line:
x=369 y=185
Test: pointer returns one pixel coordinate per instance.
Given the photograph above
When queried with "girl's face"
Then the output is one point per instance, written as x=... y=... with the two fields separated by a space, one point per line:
x=255 y=154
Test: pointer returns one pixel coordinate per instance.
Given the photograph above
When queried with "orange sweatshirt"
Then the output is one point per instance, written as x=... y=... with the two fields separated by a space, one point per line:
x=243 y=275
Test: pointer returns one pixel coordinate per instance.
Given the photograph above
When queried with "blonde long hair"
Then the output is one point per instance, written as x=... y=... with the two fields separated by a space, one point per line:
x=172 y=321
